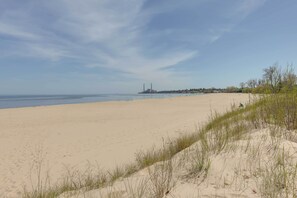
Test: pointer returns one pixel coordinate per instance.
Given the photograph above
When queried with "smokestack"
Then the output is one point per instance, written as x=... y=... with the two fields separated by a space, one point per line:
x=151 y=86
x=143 y=87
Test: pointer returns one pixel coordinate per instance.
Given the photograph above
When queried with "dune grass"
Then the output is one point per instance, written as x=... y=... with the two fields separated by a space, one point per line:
x=279 y=180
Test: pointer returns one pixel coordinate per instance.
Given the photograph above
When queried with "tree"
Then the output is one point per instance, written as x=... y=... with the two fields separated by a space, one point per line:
x=272 y=77
x=242 y=85
x=232 y=89
x=252 y=83
x=289 y=78
x=260 y=82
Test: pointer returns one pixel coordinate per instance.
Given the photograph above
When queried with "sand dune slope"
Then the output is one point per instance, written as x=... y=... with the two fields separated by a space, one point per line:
x=259 y=165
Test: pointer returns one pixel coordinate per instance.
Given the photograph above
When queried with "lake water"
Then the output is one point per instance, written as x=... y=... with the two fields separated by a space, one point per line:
x=14 y=101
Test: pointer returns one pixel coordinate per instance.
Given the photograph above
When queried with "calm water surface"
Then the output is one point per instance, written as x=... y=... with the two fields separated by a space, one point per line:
x=14 y=101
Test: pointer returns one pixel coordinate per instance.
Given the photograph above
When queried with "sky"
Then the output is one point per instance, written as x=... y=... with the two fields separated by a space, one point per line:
x=114 y=46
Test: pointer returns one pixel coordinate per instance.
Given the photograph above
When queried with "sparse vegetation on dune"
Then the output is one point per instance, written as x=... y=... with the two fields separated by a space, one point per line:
x=260 y=136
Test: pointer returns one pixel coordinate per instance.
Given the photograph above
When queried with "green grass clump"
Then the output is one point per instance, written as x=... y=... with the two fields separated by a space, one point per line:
x=200 y=162
x=145 y=159
x=280 y=179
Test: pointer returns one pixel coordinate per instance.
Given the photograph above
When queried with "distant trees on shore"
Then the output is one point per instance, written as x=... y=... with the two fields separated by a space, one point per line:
x=274 y=80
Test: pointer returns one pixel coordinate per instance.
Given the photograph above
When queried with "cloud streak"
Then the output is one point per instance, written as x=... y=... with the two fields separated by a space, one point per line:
x=13 y=31
x=249 y=6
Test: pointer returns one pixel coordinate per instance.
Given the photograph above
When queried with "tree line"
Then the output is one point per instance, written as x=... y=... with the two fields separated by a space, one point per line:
x=274 y=80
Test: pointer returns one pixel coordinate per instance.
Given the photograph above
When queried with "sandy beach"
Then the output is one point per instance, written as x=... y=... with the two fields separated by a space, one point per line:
x=106 y=133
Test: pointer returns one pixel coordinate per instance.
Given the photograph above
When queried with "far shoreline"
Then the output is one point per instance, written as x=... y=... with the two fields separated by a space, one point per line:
x=146 y=97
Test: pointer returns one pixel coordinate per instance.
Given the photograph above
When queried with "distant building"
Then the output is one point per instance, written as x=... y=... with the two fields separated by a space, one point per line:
x=148 y=91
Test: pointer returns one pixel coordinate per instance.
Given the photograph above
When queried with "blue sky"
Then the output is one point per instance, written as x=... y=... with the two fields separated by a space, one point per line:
x=113 y=46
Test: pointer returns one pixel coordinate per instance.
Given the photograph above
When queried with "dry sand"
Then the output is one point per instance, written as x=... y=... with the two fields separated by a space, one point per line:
x=107 y=133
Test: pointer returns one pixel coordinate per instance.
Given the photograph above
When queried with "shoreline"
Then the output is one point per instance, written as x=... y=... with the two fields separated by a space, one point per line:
x=143 y=97
x=104 y=133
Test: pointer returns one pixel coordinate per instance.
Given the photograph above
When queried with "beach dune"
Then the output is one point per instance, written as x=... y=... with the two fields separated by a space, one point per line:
x=54 y=139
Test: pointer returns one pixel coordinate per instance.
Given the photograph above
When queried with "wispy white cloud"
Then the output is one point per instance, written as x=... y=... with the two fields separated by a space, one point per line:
x=47 y=52
x=240 y=12
x=135 y=63
x=216 y=34
x=249 y=6
x=96 y=21
x=16 y=32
